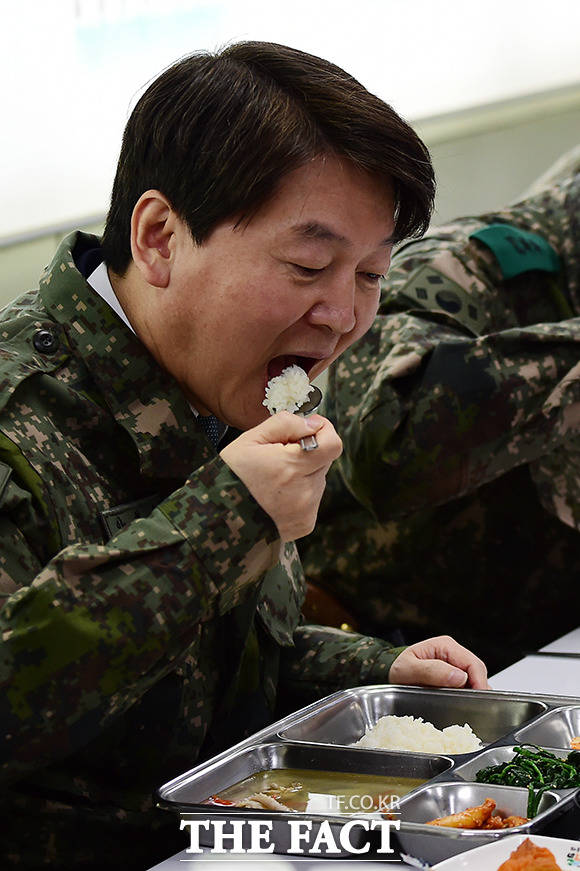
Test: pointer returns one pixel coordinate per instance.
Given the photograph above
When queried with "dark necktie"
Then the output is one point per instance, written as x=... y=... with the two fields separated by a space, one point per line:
x=213 y=428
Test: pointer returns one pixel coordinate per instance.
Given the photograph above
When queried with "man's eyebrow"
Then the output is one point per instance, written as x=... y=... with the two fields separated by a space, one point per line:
x=314 y=230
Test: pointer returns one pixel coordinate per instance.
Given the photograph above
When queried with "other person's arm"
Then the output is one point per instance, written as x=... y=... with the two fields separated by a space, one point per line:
x=325 y=660
x=469 y=370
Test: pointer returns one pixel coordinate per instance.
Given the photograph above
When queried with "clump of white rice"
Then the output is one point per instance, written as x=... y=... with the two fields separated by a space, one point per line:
x=410 y=733
x=288 y=391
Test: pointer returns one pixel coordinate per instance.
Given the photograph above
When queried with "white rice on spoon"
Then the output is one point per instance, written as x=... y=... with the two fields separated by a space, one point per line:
x=288 y=391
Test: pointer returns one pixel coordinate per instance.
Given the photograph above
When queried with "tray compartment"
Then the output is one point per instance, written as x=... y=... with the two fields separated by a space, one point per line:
x=492 y=756
x=435 y=843
x=554 y=730
x=345 y=718
x=193 y=788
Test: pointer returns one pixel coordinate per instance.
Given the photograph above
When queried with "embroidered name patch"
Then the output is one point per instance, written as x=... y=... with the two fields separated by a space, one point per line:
x=517 y=250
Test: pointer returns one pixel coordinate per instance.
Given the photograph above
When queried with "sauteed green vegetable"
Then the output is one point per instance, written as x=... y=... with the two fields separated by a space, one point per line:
x=536 y=769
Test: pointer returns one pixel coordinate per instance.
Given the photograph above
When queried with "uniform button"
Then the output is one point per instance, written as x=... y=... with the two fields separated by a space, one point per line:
x=45 y=341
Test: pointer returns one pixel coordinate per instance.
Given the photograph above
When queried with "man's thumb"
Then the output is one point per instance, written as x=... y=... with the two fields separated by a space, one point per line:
x=437 y=673
x=285 y=427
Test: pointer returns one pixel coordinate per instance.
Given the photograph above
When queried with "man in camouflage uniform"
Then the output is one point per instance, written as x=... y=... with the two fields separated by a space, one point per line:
x=460 y=417
x=151 y=589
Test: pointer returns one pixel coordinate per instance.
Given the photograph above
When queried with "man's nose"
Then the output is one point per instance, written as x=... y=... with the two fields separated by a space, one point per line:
x=336 y=308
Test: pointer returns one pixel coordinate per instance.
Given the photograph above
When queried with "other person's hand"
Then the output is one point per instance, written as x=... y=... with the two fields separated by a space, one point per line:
x=439 y=662
x=285 y=480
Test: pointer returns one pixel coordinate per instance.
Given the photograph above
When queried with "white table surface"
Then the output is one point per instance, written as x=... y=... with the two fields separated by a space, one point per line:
x=553 y=675
x=569 y=643
x=212 y=862
x=540 y=674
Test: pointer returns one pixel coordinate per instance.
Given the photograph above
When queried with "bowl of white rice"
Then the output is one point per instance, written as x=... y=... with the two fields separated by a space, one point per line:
x=414 y=734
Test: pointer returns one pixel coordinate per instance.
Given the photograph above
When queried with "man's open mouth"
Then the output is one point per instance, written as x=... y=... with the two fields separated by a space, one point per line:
x=277 y=364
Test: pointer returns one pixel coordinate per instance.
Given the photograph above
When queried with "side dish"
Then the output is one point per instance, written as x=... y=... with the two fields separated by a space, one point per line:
x=530 y=857
x=479 y=817
x=536 y=769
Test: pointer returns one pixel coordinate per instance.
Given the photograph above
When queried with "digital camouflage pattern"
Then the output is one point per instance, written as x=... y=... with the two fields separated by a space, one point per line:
x=149 y=612
x=460 y=416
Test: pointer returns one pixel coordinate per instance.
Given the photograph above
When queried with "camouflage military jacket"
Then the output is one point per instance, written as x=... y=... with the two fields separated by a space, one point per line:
x=458 y=508
x=146 y=596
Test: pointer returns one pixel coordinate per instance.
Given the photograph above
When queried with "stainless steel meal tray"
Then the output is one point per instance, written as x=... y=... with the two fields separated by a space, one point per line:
x=555 y=729
x=439 y=799
x=345 y=718
x=319 y=736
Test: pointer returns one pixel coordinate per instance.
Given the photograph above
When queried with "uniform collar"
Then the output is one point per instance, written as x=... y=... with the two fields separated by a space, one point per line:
x=101 y=283
x=144 y=399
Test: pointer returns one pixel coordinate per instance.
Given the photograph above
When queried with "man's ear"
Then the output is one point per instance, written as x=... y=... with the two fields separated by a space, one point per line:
x=153 y=225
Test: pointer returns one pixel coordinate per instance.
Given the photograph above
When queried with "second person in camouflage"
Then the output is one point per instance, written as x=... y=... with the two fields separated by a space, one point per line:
x=460 y=416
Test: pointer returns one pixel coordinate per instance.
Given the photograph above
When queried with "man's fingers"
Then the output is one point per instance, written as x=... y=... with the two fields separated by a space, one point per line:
x=478 y=676
x=283 y=428
x=441 y=662
x=435 y=673
x=287 y=429
x=441 y=674
x=285 y=480
x=446 y=648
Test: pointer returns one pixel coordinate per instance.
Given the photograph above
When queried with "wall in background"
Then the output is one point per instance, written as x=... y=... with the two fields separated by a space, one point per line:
x=73 y=69
x=486 y=157
x=483 y=158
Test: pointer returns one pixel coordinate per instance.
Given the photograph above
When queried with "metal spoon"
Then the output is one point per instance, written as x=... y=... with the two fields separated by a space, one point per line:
x=309 y=443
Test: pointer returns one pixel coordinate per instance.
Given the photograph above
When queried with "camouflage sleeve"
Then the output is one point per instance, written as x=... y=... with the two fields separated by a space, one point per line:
x=471 y=367
x=17 y=560
x=99 y=624
x=325 y=660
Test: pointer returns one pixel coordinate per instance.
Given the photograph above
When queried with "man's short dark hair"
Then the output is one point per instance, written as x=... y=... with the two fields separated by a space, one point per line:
x=217 y=132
